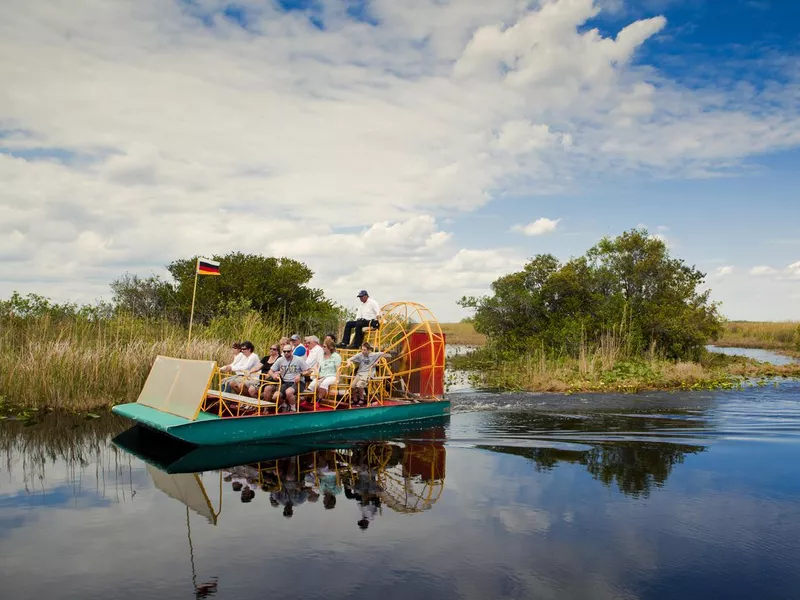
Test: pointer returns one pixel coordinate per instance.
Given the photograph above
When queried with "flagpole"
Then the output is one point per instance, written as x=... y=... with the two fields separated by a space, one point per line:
x=194 y=294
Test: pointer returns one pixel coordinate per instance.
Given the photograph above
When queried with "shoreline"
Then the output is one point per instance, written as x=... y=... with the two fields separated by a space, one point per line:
x=569 y=376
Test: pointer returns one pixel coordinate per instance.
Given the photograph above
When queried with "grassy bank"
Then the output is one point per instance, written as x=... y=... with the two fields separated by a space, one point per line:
x=82 y=364
x=600 y=372
x=462 y=334
x=780 y=336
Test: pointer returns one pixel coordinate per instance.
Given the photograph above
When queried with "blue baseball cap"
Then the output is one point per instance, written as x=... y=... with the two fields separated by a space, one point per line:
x=362 y=293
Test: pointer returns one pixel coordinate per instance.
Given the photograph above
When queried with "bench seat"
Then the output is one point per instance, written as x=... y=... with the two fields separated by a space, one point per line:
x=240 y=399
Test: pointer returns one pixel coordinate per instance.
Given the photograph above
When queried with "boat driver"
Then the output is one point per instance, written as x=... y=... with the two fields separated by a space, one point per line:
x=369 y=312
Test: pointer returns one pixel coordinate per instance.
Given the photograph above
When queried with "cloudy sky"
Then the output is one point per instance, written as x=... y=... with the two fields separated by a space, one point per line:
x=418 y=148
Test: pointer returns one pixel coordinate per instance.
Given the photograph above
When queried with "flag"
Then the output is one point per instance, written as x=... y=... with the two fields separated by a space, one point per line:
x=207 y=267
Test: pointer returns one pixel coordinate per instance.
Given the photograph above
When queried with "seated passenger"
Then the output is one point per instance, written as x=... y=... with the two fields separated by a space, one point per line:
x=297 y=348
x=288 y=370
x=241 y=370
x=314 y=352
x=328 y=370
x=366 y=361
x=236 y=361
x=262 y=369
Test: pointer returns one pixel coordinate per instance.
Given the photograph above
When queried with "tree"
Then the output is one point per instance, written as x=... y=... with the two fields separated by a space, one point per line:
x=145 y=297
x=274 y=287
x=628 y=287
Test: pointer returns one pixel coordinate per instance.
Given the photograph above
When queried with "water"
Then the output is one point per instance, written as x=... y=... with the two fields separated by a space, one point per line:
x=661 y=495
x=756 y=354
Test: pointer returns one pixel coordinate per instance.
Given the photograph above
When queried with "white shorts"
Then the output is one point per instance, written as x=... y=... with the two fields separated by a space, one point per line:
x=325 y=383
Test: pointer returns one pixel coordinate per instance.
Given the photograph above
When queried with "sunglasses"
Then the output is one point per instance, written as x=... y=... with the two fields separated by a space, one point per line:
x=275 y=349
x=287 y=351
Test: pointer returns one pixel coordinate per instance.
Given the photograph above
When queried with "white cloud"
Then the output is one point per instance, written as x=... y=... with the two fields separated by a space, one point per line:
x=725 y=270
x=136 y=133
x=662 y=238
x=762 y=270
x=538 y=227
x=794 y=269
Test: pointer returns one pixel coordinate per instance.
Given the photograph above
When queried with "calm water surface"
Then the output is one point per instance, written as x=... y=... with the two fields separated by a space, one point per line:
x=514 y=496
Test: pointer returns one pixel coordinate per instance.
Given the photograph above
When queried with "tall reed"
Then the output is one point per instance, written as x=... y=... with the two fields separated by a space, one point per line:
x=78 y=363
x=764 y=334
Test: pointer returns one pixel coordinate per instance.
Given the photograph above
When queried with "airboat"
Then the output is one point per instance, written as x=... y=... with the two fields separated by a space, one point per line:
x=184 y=398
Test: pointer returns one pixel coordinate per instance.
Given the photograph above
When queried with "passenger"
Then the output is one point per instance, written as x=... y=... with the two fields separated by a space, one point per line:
x=328 y=370
x=242 y=370
x=236 y=361
x=263 y=368
x=288 y=369
x=297 y=348
x=368 y=314
x=314 y=352
x=366 y=361
x=331 y=337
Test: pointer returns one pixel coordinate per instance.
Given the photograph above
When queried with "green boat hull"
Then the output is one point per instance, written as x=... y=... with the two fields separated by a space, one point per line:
x=174 y=456
x=210 y=430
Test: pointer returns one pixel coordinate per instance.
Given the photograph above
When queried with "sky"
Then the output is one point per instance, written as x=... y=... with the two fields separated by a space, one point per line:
x=416 y=148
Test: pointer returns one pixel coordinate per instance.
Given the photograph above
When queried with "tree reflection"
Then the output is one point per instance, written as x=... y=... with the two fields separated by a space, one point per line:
x=635 y=467
x=627 y=449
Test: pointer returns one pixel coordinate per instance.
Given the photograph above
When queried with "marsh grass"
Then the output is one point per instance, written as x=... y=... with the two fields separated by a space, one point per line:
x=606 y=368
x=81 y=364
x=784 y=336
x=462 y=334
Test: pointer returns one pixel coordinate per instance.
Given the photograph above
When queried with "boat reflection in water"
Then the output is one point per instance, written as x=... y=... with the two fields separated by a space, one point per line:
x=397 y=468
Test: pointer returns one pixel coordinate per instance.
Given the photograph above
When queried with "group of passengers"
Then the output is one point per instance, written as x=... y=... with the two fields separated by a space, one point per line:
x=291 y=367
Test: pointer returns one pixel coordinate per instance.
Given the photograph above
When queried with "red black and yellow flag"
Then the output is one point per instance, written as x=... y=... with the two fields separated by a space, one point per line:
x=207 y=267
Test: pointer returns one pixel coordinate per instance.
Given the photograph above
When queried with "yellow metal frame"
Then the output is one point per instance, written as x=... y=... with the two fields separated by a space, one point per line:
x=399 y=321
x=390 y=380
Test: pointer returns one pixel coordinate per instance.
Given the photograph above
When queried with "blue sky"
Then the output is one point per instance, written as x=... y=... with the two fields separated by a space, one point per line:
x=417 y=148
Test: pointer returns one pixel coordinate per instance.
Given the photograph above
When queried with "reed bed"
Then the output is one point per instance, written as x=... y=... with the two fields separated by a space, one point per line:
x=607 y=368
x=462 y=334
x=82 y=364
x=769 y=335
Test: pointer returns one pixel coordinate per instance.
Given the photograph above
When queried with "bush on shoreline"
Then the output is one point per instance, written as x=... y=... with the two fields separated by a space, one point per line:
x=626 y=292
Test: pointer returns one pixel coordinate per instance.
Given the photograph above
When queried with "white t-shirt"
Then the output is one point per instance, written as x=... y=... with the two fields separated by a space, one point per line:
x=247 y=364
x=314 y=356
x=369 y=310
x=238 y=361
